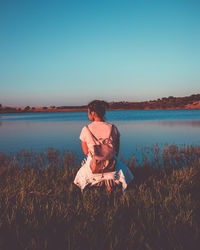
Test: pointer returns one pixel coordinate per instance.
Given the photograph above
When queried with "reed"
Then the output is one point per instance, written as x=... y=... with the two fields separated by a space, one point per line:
x=41 y=208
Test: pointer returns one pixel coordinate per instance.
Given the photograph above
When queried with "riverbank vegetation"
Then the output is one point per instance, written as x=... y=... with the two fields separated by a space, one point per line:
x=41 y=208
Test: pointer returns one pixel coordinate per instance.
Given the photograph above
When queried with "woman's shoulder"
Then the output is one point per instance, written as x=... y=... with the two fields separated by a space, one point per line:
x=85 y=128
x=100 y=124
x=84 y=132
x=103 y=126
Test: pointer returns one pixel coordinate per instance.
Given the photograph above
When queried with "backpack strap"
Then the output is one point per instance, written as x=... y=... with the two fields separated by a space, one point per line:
x=94 y=137
x=110 y=132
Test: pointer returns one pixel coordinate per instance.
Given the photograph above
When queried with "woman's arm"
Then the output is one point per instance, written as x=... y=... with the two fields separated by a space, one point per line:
x=84 y=147
x=116 y=137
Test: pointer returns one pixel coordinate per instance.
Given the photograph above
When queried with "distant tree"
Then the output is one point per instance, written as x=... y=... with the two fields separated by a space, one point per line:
x=10 y=109
x=171 y=97
x=27 y=108
x=33 y=108
x=44 y=107
x=53 y=107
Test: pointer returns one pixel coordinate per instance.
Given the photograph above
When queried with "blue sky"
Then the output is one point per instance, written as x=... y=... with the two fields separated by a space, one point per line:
x=71 y=52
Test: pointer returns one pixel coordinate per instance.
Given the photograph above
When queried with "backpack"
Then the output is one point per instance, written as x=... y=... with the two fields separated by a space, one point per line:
x=103 y=157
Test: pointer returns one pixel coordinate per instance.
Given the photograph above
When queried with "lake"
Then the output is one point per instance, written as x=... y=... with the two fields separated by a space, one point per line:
x=138 y=129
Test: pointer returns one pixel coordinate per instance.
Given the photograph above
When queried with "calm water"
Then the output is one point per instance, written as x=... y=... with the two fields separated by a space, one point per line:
x=39 y=131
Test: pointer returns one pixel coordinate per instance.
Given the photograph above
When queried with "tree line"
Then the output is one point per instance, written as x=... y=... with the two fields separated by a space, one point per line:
x=163 y=103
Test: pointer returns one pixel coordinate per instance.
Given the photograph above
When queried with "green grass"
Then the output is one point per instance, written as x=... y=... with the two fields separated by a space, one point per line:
x=41 y=208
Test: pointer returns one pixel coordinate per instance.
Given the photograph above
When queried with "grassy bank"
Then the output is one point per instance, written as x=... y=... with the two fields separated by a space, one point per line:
x=41 y=208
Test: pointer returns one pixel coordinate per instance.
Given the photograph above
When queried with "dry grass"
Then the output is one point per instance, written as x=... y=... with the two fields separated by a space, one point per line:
x=41 y=208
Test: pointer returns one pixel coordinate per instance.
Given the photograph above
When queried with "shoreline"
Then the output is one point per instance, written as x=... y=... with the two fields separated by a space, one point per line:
x=49 y=110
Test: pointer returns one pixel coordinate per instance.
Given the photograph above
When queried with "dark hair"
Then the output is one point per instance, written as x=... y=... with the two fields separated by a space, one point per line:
x=98 y=107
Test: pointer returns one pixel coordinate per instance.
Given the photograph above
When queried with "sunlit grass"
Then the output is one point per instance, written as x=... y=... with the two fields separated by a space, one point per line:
x=41 y=208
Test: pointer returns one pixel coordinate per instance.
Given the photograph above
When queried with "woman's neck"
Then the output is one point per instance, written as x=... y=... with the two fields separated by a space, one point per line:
x=98 y=119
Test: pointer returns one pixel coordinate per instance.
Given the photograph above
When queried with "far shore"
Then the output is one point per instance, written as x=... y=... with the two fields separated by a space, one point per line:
x=170 y=103
x=54 y=110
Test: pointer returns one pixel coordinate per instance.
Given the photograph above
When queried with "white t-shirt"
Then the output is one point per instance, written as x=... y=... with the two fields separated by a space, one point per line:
x=101 y=130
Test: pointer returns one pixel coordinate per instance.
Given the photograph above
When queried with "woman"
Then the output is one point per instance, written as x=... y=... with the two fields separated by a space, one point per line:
x=101 y=130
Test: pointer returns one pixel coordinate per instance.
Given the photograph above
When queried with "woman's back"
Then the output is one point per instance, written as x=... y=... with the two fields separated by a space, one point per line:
x=101 y=130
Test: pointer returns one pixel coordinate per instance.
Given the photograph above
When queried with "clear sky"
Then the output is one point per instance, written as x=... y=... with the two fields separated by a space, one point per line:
x=71 y=52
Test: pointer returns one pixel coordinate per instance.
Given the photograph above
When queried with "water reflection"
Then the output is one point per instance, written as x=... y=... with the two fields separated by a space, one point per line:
x=47 y=117
x=181 y=123
x=118 y=115
x=39 y=136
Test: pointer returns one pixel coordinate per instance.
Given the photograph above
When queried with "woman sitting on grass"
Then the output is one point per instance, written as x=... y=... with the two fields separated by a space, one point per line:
x=95 y=171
